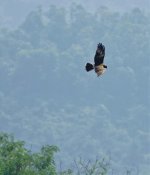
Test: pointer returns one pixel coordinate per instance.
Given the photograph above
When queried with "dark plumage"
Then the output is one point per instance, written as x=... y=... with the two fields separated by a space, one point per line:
x=99 y=55
x=98 y=61
x=89 y=67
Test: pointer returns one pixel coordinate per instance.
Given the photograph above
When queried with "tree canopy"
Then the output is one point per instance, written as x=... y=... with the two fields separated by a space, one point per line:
x=46 y=96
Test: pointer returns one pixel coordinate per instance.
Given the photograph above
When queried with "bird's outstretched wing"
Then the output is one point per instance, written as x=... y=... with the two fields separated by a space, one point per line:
x=99 y=55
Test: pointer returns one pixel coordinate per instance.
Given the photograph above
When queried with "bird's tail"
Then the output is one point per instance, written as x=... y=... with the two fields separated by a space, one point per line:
x=89 y=67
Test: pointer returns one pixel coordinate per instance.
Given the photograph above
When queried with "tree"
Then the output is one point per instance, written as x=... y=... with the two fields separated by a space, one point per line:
x=15 y=159
x=33 y=26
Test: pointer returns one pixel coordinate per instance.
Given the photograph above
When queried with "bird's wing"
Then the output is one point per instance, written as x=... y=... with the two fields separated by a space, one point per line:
x=99 y=56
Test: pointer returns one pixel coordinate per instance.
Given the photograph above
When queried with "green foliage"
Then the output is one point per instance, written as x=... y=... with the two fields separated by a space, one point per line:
x=44 y=86
x=15 y=159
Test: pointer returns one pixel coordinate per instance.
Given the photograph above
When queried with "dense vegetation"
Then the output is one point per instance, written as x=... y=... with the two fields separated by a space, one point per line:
x=13 y=12
x=46 y=97
x=15 y=159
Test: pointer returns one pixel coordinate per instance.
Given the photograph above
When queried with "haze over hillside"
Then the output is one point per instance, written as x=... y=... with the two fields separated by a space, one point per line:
x=47 y=97
x=13 y=12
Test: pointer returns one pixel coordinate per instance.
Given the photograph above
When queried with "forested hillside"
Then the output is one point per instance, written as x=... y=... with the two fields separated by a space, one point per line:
x=13 y=12
x=47 y=97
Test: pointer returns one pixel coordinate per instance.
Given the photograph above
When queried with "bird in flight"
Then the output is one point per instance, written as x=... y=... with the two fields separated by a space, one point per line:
x=98 y=65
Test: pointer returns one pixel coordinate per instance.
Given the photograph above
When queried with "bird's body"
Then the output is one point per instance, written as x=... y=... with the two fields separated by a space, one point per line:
x=99 y=70
x=98 y=65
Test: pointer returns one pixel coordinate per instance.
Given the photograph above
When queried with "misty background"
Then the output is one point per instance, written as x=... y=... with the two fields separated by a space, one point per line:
x=13 y=12
x=47 y=97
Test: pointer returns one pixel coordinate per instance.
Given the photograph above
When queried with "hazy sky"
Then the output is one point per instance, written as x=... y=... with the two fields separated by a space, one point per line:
x=13 y=12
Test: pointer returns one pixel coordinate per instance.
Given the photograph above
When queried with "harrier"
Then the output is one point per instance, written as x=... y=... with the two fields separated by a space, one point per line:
x=98 y=65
